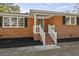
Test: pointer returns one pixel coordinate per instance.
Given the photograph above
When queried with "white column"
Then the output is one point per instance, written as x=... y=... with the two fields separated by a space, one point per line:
x=34 y=23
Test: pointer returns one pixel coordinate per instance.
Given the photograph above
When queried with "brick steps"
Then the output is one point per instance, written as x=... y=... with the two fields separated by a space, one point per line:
x=36 y=37
x=48 y=39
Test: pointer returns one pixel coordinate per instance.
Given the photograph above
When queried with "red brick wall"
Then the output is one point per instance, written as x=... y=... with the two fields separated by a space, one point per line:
x=45 y=25
x=64 y=31
x=15 y=32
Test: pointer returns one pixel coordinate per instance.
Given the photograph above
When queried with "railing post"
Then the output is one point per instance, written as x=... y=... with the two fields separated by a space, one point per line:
x=44 y=43
x=56 y=38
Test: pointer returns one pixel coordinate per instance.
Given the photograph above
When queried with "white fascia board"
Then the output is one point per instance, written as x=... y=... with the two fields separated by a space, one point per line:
x=22 y=15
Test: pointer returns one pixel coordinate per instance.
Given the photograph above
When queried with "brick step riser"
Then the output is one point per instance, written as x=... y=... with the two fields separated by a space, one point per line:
x=48 y=39
x=49 y=43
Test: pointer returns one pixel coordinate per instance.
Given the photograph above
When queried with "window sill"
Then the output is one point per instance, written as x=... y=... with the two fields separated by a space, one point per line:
x=13 y=27
x=71 y=24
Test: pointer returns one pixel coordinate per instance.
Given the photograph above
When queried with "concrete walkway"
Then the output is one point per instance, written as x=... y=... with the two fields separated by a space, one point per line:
x=25 y=50
x=38 y=48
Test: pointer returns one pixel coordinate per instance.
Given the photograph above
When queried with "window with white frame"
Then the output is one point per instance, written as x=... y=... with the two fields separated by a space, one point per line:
x=73 y=20
x=67 y=20
x=6 y=22
x=70 y=20
x=13 y=22
x=21 y=22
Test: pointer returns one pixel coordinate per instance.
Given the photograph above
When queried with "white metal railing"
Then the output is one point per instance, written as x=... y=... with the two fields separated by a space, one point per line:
x=38 y=29
x=42 y=34
x=53 y=34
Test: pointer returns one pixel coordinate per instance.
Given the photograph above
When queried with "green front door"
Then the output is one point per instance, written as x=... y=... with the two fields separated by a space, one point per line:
x=40 y=21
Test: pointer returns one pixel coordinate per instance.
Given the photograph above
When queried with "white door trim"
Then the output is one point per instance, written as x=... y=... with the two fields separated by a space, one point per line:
x=43 y=21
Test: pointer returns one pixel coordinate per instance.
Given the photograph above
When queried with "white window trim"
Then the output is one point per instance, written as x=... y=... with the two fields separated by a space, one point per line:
x=3 y=22
x=17 y=22
x=10 y=22
x=66 y=20
x=23 y=23
x=70 y=20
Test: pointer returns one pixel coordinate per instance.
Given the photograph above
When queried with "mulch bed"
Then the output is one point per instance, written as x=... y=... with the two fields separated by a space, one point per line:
x=68 y=40
x=18 y=42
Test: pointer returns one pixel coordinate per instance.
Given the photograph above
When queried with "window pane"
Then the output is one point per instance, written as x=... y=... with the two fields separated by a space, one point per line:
x=72 y=20
x=21 y=22
x=14 y=22
x=6 y=21
x=67 y=20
